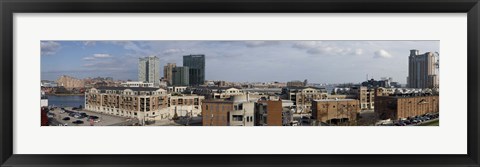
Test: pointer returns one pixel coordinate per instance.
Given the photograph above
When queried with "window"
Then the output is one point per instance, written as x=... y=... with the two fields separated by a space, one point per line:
x=237 y=118
x=206 y=107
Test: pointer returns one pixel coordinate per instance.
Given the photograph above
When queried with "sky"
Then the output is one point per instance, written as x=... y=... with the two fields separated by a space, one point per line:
x=238 y=61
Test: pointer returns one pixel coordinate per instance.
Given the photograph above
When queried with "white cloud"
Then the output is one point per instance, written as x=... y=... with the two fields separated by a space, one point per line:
x=101 y=55
x=382 y=54
x=88 y=58
x=326 y=48
x=49 y=47
x=89 y=43
x=358 y=51
x=307 y=44
x=260 y=43
x=97 y=56
x=173 y=51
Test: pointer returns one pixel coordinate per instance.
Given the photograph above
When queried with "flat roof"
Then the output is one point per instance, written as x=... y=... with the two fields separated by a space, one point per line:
x=131 y=88
x=335 y=100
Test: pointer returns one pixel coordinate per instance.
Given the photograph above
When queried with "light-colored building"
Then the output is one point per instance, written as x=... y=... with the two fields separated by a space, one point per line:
x=216 y=92
x=176 y=89
x=48 y=84
x=43 y=99
x=423 y=70
x=142 y=103
x=302 y=97
x=137 y=84
x=365 y=95
x=149 y=70
x=168 y=73
x=69 y=82
x=185 y=105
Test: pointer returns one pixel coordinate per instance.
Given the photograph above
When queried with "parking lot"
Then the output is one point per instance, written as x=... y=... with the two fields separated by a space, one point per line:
x=103 y=119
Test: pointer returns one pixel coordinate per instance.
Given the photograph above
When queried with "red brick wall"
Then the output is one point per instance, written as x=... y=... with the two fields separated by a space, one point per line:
x=274 y=113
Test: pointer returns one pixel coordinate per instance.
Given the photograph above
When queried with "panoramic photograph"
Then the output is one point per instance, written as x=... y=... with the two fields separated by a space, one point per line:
x=240 y=83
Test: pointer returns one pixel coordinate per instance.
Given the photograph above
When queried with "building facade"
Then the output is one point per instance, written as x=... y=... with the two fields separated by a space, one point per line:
x=364 y=94
x=196 y=64
x=216 y=92
x=302 y=97
x=168 y=73
x=176 y=89
x=142 y=103
x=236 y=111
x=297 y=83
x=149 y=70
x=423 y=70
x=404 y=106
x=185 y=105
x=337 y=111
x=69 y=82
x=136 y=84
x=181 y=76
x=274 y=113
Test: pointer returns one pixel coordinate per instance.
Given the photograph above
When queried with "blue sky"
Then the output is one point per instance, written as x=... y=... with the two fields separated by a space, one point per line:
x=263 y=61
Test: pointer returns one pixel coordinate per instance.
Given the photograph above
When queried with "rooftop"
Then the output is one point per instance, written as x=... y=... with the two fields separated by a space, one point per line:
x=131 y=88
x=335 y=100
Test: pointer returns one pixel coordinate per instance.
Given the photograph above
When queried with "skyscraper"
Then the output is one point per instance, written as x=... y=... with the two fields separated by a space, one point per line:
x=180 y=76
x=167 y=72
x=196 y=64
x=149 y=70
x=422 y=70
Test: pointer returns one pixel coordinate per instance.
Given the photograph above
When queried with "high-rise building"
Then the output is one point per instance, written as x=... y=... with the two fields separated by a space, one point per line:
x=422 y=70
x=167 y=72
x=149 y=70
x=180 y=76
x=196 y=64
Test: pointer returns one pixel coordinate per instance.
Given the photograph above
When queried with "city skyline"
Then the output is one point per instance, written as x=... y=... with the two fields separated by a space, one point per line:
x=248 y=61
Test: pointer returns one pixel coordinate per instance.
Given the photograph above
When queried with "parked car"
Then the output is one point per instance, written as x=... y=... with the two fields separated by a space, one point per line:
x=400 y=124
x=94 y=118
x=78 y=122
x=66 y=118
x=50 y=115
x=415 y=121
x=294 y=123
x=79 y=116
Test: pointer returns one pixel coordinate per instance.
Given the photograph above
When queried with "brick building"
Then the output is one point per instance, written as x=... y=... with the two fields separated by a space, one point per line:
x=269 y=113
x=403 y=106
x=235 y=111
x=335 y=111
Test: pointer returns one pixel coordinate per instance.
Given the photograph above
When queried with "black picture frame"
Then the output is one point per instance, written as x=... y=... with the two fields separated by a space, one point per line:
x=9 y=7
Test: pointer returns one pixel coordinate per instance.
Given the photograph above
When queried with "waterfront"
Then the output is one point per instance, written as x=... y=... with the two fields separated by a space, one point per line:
x=66 y=101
